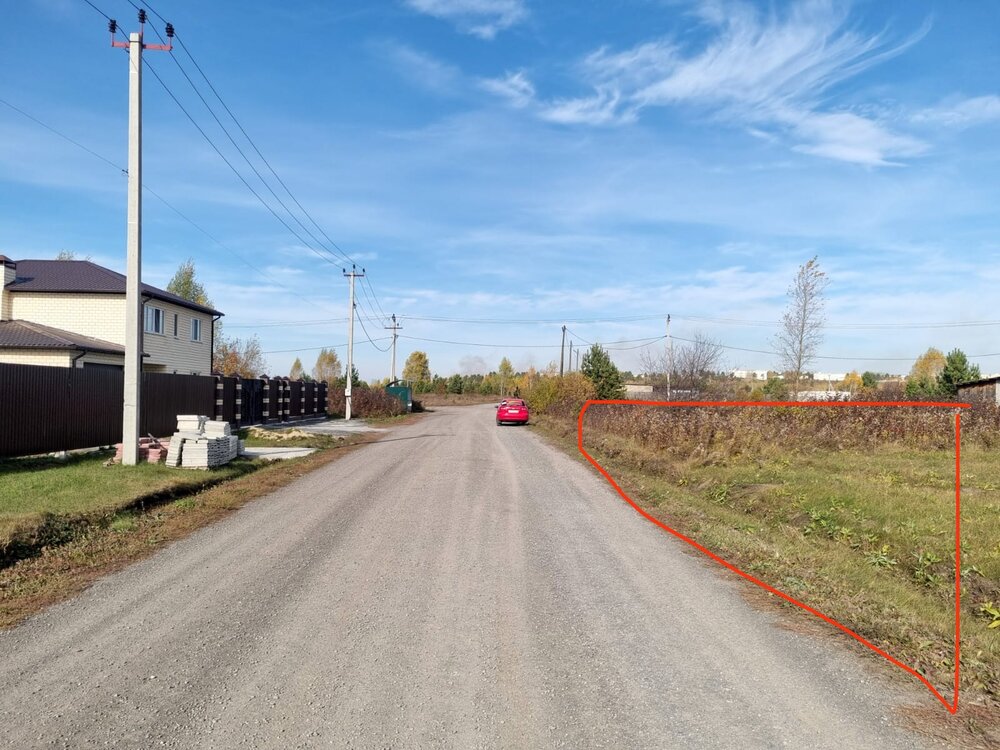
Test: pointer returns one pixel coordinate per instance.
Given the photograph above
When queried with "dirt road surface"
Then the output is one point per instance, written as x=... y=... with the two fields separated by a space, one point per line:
x=455 y=585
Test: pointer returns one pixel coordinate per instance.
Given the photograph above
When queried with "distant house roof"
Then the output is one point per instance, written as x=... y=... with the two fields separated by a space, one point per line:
x=22 y=334
x=83 y=276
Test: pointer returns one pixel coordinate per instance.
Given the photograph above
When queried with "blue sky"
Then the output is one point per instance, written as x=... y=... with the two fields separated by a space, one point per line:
x=600 y=162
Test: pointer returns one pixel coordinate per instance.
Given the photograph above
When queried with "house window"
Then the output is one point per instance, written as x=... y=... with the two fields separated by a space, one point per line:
x=195 y=329
x=175 y=324
x=154 y=320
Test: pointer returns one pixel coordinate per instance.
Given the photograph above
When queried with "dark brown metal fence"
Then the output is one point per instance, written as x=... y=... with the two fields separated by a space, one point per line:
x=47 y=409
x=165 y=396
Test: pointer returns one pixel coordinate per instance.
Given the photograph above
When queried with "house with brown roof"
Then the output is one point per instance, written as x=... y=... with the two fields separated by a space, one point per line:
x=71 y=313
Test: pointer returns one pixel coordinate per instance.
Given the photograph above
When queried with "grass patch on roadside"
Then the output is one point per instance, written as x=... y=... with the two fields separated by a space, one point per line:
x=62 y=570
x=864 y=535
x=46 y=501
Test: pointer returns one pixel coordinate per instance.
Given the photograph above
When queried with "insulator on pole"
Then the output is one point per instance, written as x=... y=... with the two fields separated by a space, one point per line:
x=170 y=31
x=112 y=26
x=142 y=15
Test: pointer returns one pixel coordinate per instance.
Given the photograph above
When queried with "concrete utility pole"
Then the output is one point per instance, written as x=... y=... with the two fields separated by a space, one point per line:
x=133 y=272
x=394 y=328
x=571 y=355
x=670 y=365
x=578 y=360
x=350 y=342
x=562 y=352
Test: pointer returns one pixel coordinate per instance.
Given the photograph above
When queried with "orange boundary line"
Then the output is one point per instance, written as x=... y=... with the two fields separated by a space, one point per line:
x=953 y=706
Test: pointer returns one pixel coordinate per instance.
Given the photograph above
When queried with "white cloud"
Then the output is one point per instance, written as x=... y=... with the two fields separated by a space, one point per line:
x=604 y=108
x=765 y=72
x=515 y=87
x=482 y=18
x=424 y=70
x=849 y=137
x=962 y=113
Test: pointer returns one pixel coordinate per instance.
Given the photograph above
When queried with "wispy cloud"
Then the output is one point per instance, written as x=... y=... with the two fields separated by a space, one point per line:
x=420 y=68
x=961 y=113
x=482 y=18
x=514 y=87
x=765 y=73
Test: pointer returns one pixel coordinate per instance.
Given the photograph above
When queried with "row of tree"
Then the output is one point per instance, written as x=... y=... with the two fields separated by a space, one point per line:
x=691 y=367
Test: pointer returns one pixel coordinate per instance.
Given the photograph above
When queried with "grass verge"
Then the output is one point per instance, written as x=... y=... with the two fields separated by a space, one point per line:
x=47 y=501
x=116 y=540
x=865 y=537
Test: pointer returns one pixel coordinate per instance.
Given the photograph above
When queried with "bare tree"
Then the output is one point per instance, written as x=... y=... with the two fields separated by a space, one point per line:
x=695 y=362
x=801 y=329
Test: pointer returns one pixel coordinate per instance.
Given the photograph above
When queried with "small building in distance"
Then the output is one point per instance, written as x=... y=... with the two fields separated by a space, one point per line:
x=983 y=391
x=751 y=374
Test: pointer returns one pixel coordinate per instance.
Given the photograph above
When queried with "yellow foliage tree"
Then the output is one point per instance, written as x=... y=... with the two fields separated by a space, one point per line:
x=852 y=382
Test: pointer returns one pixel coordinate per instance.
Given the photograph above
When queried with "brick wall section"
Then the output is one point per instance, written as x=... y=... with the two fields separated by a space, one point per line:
x=45 y=357
x=102 y=316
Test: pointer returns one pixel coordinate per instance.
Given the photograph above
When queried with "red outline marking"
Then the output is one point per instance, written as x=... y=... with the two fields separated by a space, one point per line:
x=953 y=706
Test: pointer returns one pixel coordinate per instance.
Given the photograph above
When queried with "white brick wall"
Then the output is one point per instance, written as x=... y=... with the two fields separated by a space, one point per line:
x=49 y=358
x=102 y=316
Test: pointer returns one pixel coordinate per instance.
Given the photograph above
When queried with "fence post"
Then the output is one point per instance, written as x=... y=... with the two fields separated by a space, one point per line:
x=283 y=390
x=267 y=399
x=239 y=400
x=218 y=398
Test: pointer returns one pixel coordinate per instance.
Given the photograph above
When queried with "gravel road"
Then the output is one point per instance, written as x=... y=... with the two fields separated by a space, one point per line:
x=453 y=585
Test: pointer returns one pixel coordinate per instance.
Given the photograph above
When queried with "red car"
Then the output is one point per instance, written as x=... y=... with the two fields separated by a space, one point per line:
x=512 y=411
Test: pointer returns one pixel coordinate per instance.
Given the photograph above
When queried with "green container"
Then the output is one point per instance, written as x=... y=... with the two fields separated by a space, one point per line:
x=404 y=393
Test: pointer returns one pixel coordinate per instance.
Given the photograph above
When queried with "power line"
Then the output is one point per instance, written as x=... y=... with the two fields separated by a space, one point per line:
x=234 y=170
x=106 y=16
x=66 y=137
x=249 y=163
x=316 y=348
x=368 y=336
x=257 y=150
x=166 y=203
x=504 y=345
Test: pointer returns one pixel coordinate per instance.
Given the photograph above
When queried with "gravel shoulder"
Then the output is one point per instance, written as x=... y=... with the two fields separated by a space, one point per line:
x=452 y=584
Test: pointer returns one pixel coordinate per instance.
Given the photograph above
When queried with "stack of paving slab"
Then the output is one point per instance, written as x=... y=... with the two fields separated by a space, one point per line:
x=150 y=451
x=201 y=443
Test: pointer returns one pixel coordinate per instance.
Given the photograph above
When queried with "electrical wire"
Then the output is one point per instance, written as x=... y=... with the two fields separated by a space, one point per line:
x=316 y=348
x=65 y=137
x=334 y=260
x=234 y=170
x=375 y=296
x=370 y=339
x=106 y=16
x=253 y=145
x=169 y=205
